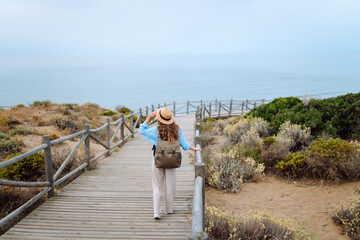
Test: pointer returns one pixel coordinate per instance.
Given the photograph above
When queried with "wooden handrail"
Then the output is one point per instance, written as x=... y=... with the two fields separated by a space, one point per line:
x=198 y=206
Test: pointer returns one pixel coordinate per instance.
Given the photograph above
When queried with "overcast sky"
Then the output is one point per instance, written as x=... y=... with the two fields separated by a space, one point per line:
x=115 y=27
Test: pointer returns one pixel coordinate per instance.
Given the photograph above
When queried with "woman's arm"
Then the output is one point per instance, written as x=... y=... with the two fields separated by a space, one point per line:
x=184 y=144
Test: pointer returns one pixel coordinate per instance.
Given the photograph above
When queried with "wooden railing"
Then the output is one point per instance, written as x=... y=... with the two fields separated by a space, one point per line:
x=213 y=108
x=201 y=109
x=198 y=206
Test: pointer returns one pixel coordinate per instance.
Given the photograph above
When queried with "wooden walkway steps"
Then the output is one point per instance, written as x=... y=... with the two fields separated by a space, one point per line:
x=114 y=201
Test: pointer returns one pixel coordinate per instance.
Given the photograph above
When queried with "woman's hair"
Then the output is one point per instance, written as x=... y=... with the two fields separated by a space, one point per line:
x=168 y=132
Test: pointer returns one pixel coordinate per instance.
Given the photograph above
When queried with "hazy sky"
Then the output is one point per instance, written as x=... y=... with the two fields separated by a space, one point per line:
x=115 y=27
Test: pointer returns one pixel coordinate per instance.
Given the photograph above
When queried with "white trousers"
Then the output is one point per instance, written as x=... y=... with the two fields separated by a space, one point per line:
x=163 y=183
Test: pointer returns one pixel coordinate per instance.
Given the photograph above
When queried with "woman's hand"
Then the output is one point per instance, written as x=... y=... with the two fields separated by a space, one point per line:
x=195 y=149
x=151 y=116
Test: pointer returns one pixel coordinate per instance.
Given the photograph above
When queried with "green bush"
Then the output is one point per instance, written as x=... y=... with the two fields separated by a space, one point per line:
x=9 y=145
x=338 y=117
x=31 y=168
x=293 y=165
x=209 y=119
x=46 y=103
x=269 y=141
x=348 y=217
x=334 y=159
x=252 y=225
x=270 y=110
x=108 y=113
x=254 y=153
x=122 y=109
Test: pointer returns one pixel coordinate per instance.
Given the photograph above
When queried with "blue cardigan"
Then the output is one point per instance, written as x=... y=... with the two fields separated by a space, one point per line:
x=151 y=134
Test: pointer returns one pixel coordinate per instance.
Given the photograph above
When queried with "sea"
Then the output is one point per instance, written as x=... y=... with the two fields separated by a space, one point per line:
x=141 y=80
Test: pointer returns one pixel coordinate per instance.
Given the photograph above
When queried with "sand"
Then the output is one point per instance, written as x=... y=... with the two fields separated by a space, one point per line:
x=310 y=203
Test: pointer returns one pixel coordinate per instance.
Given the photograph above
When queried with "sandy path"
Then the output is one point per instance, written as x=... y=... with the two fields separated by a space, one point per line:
x=308 y=203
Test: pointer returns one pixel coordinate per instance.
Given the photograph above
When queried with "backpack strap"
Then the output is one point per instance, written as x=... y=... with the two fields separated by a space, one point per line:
x=154 y=150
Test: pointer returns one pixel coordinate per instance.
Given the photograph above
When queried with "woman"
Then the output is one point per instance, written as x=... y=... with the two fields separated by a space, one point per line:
x=164 y=179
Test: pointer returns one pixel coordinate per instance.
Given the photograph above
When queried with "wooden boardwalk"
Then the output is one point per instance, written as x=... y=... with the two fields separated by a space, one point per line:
x=114 y=201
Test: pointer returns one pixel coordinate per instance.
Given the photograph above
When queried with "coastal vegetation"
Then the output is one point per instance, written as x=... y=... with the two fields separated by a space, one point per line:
x=221 y=224
x=290 y=138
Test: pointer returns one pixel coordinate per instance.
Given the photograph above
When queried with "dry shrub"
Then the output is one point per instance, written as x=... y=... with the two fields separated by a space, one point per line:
x=251 y=139
x=348 y=217
x=207 y=126
x=19 y=131
x=334 y=160
x=221 y=124
x=9 y=145
x=206 y=139
x=229 y=170
x=274 y=150
x=54 y=136
x=13 y=197
x=66 y=123
x=247 y=130
x=235 y=131
x=300 y=138
x=59 y=155
x=252 y=225
x=260 y=126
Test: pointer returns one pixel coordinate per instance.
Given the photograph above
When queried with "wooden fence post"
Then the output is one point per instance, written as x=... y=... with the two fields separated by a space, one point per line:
x=158 y=105
x=147 y=111
x=230 y=108
x=140 y=117
x=152 y=108
x=122 y=132
x=219 y=109
x=262 y=102
x=198 y=113
x=204 y=111
x=108 y=135
x=48 y=165
x=200 y=171
x=187 y=107
x=255 y=104
x=87 y=146
x=174 y=108
x=242 y=108
x=216 y=103
x=132 y=123
x=210 y=110
x=247 y=103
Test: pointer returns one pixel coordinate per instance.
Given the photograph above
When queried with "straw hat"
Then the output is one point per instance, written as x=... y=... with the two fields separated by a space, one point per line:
x=165 y=116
